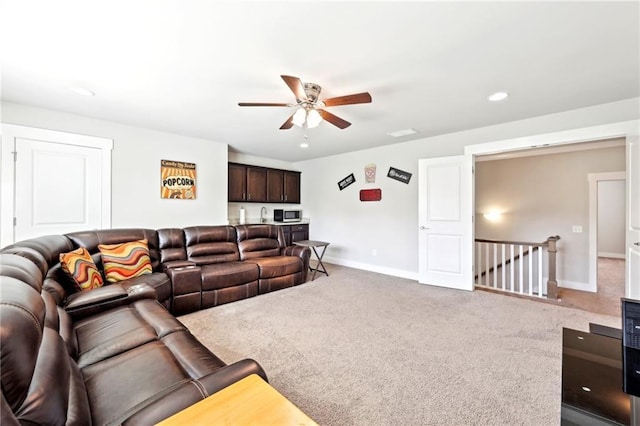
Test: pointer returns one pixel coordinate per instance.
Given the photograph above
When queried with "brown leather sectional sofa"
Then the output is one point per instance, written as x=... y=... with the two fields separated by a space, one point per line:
x=116 y=354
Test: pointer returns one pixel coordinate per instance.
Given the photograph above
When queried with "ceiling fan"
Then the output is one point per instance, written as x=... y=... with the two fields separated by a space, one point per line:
x=310 y=110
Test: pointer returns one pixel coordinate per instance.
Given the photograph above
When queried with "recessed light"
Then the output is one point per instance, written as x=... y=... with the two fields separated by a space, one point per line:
x=586 y=389
x=304 y=145
x=403 y=132
x=82 y=91
x=498 y=96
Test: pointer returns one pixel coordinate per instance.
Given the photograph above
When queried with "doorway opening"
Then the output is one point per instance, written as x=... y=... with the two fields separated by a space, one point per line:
x=535 y=194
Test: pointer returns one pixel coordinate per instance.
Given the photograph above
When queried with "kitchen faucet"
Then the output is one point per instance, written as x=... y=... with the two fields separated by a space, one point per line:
x=263 y=211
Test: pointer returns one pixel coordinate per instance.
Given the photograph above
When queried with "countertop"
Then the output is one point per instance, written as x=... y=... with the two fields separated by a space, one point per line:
x=256 y=221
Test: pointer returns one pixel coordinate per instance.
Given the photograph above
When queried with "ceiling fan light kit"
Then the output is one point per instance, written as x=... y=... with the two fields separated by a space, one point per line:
x=309 y=113
x=307 y=116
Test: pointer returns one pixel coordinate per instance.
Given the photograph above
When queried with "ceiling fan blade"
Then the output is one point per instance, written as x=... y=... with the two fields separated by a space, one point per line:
x=251 y=104
x=334 y=119
x=295 y=85
x=288 y=124
x=358 y=98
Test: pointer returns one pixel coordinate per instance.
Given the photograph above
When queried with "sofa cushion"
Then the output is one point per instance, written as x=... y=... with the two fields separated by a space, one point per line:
x=277 y=266
x=171 y=245
x=108 y=334
x=125 y=260
x=211 y=244
x=80 y=267
x=259 y=241
x=223 y=275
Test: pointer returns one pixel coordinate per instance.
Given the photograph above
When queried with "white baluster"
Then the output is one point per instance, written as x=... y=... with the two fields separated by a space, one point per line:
x=495 y=265
x=540 y=271
x=479 y=264
x=486 y=265
x=530 y=271
x=512 y=280
x=521 y=271
x=504 y=267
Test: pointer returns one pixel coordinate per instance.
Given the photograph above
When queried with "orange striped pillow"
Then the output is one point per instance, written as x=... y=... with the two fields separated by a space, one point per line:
x=125 y=260
x=79 y=265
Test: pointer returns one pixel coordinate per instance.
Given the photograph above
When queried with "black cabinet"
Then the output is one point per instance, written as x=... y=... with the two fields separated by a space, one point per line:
x=293 y=233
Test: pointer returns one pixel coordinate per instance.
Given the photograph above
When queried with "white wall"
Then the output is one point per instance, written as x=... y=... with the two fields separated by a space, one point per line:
x=136 y=159
x=391 y=226
x=544 y=195
x=611 y=218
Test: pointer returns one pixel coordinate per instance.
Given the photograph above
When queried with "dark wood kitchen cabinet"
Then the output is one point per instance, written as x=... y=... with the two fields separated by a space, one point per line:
x=291 y=184
x=293 y=233
x=237 y=182
x=247 y=183
x=256 y=184
x=275 y=186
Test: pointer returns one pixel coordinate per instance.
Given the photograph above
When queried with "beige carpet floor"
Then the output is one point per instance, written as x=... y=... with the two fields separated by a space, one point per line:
x=359 y=348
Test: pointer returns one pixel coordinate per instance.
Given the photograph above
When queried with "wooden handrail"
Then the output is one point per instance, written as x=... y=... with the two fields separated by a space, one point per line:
x=519 y=243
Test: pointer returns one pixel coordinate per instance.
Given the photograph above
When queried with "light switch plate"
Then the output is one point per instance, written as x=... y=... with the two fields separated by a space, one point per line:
x=577 y=229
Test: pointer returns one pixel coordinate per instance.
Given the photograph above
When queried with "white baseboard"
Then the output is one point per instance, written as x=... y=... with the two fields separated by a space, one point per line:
x=576 y=285
x=612 y=255
x=411 y=275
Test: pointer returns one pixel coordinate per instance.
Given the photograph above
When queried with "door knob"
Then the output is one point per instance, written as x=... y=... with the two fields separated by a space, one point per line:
x=422 y=228
x=637 y=243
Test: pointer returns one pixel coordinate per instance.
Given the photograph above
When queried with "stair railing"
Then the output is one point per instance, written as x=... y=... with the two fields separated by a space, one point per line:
x=518 y=267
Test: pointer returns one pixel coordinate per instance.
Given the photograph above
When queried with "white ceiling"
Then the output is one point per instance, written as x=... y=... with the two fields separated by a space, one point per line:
x=182 y=66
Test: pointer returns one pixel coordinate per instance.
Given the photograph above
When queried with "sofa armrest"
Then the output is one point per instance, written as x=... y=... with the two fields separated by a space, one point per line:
x=303 y=253
x=177 y=264
x=85 y=303
x=189 y=393
x=299 y=251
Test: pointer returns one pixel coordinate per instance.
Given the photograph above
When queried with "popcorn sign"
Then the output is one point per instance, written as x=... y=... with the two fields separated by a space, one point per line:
x=178 y=180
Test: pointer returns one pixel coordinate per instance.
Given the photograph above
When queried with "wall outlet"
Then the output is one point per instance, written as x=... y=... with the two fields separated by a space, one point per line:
x=374 y=252
x=577 y=229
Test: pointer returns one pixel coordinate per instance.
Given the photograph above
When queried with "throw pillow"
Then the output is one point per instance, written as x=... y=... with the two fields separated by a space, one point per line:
x=125 y=260
x=79 y=265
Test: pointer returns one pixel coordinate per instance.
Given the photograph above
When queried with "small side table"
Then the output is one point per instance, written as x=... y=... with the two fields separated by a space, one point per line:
x=250 y=401
x=313 y=244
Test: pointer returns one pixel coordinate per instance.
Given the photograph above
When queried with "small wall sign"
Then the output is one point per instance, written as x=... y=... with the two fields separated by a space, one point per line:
x=371 y=194
x=398 y=174
x=177 y=180
x=346 y=181
x=370 y=173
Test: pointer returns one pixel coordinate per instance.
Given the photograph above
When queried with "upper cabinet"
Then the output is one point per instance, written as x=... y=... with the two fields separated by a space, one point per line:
x=291 y=187
x=256 y=184
x=237 y=182
x=261 y=184
x=275 y=186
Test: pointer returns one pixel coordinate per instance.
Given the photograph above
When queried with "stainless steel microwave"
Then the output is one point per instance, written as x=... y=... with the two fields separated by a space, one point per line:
x=281 y=215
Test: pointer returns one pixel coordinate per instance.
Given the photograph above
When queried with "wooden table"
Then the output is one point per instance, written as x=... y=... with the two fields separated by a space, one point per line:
x=313 y=244
x=251 y=401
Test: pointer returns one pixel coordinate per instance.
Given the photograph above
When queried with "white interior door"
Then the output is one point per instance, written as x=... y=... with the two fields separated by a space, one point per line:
x=445 y=221
x=633 y=217
x=58 y=188
x=52 y=182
